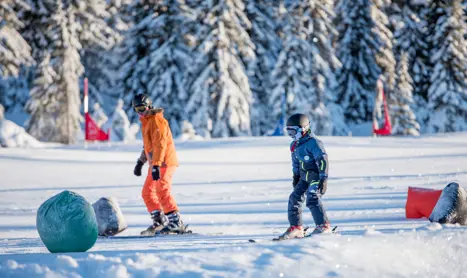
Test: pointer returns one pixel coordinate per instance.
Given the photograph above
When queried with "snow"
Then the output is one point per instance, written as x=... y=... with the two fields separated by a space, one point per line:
x=12 y=135
x=231 y=190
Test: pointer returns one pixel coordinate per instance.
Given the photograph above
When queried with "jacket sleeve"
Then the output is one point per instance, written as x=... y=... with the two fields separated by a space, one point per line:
x=159 y=137
x=321 y=158
x=142 y=157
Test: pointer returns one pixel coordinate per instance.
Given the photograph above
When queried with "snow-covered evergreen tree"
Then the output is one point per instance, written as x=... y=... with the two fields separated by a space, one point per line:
x=384 y=55
x=465 y=13
x=160 y=66
x=306 y=63
x=448 y=90
x=14 y=91
x=400 y=101
x=119 y=19
x=361 y=47
x=102 y=61
x=393 y=11
x=122 y=129
x=411 y=37
x=58 y=29
x=264 y=35
x=14 y=52
x=133 y=48
x=319 y=15
x=220 y=95
x=44 y=103
x=292 y=75
x=384 y=13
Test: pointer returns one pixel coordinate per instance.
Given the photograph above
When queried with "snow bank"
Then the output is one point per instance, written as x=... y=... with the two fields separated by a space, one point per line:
x=405 y=254
x=14 y=136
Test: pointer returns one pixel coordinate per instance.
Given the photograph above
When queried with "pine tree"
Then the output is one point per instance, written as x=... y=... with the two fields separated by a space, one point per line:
x=220 y=95
x=119 y=19
x=393 y=11
x=58 y=30
x=160 y=68
x=44 y=101
x=411 y=37
x=465 y=13
x=14 y=91
x=306 y=63
x=384 y=55
x=292 y=75
x=319 y=15
x=102 y=61
x=383 y=15
x=14 y=52
x=264 y=23
x=400 y=102
x=448 y=90
x=361 y=47
x=133 y=49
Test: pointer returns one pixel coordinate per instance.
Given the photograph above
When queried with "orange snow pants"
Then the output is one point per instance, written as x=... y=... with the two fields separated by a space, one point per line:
x=156 y=194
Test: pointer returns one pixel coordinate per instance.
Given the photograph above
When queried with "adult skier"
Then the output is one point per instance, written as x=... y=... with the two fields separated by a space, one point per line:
x=310 y=173
x=159 y=151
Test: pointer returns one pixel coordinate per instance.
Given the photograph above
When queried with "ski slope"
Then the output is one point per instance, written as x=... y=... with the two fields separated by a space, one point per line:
x=235 y=189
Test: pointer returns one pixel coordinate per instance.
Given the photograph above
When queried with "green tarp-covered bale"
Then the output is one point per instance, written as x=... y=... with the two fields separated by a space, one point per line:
x=67 y=223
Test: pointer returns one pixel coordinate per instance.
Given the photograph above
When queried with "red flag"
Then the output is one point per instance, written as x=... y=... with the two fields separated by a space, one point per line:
x=387 y=128
x=92 y=131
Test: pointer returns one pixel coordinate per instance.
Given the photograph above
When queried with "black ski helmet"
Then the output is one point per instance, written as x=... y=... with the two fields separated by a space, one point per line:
x=300 y=120
x=141 y=100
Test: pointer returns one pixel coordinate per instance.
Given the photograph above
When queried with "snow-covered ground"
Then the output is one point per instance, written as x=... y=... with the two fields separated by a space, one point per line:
x=235 y=189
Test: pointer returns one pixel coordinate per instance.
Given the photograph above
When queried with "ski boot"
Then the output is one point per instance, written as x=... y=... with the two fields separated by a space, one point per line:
x=322 y=229
x=292 y=232
x=159 y=220
x=175 y=225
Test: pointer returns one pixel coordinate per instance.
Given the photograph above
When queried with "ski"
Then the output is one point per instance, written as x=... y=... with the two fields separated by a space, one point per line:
x=333 y=231
x=157 y=234
x=148 y=236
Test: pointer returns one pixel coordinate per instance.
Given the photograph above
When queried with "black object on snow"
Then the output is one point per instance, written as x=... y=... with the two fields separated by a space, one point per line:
x=451 y=207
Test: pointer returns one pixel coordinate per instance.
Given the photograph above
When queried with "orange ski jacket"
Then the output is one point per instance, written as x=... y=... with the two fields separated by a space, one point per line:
x=157 y=137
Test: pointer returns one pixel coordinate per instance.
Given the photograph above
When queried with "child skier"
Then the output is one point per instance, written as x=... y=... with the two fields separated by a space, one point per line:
x=159 y=151
x=310 y=172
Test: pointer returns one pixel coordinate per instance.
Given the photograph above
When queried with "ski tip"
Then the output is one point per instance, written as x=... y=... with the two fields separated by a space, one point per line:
x=252 y=240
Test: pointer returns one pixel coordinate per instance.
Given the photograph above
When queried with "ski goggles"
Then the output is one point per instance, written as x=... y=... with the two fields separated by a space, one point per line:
x=292 y=131
x=140 y=109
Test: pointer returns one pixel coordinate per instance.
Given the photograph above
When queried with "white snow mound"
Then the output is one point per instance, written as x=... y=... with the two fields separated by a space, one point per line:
x=14 y=136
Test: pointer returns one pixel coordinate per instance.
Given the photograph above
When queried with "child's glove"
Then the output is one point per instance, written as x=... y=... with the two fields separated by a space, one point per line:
x=156 y=174
x=137 y=170
x=323 y=185
x=296 y=179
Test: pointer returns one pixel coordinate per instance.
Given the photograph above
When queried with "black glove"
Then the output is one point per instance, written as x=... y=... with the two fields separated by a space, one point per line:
x=323 y=185
x=137 y=170
x=296 y=179
x=156 y=173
